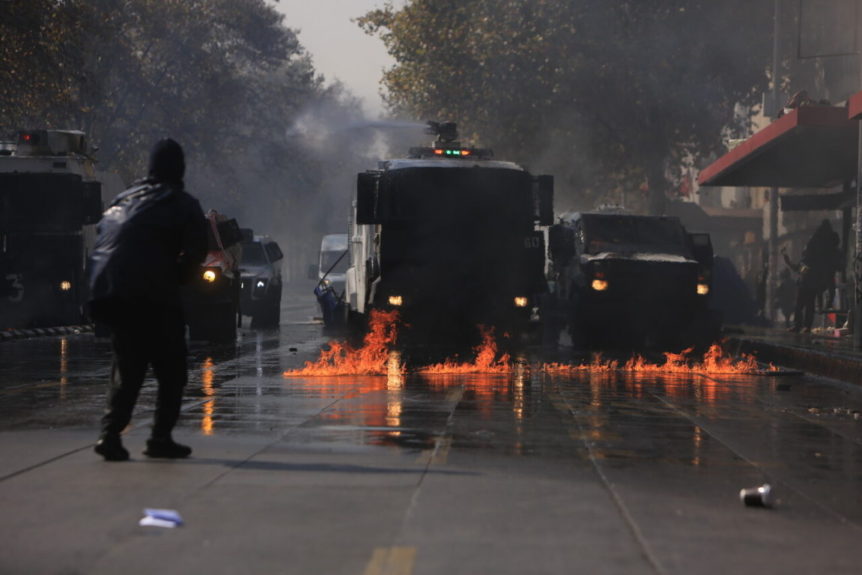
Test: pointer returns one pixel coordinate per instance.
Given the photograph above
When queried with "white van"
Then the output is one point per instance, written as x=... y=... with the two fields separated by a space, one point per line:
x=333 y=261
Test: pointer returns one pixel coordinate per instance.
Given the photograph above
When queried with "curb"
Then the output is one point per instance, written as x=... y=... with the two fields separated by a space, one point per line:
x=833 y=365
x=10 y=334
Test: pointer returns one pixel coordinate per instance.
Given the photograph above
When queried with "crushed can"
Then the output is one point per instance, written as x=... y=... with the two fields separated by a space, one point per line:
x=760 y=496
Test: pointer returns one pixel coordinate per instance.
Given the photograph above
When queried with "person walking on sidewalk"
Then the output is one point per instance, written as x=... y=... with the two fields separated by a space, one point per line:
x=150 y=239
x=820 y=260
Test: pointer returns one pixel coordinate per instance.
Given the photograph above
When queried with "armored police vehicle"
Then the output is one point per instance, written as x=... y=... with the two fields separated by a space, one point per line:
x=448 y=236
x=50 y=200
x=211 y=299
x=632 y=281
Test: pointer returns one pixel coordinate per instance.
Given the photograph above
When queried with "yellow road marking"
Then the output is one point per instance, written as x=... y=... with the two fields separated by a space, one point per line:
x=438 y=454
x=391 y=561
x=442 y=451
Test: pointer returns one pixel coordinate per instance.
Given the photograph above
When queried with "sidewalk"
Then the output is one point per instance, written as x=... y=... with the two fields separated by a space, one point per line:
x=817 y=353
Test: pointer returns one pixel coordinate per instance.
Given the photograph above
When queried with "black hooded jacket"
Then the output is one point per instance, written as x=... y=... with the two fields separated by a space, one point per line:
x=151 y=237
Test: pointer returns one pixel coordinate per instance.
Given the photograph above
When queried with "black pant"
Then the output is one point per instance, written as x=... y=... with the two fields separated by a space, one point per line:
x=144 y=335
x=803 y=315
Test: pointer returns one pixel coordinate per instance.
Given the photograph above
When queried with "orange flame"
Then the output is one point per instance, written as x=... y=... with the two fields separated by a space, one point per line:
x=486 y=359
x=714 y=362
x=372 y=358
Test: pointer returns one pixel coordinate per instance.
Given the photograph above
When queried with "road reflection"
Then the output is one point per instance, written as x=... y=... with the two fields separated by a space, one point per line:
x=208 y=390
x=629 y=416
x=64 y=367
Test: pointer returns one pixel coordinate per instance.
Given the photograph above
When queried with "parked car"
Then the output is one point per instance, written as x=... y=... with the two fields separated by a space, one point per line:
x=261 y=281
x=332 y=264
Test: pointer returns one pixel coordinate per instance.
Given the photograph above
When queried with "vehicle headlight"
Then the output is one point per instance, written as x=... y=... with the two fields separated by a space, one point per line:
x=65 y=285
x=521 y=301
x=702 y=289
x=599 y=284
x=260 y=283
x=210 y=275
x=396 y=300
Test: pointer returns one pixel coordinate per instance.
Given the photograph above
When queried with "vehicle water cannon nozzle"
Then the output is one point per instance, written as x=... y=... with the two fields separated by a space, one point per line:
x=446 y=132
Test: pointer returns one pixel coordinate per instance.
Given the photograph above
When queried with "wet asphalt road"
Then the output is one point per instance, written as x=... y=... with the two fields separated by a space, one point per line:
x=525 y=473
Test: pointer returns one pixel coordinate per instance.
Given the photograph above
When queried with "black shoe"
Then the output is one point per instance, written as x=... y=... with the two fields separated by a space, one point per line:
x=111 y=448
x=167 y=449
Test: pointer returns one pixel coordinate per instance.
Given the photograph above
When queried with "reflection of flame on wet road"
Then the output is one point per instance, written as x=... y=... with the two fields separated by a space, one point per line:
x=64 y=366
x=375 y=357
x=207 y=378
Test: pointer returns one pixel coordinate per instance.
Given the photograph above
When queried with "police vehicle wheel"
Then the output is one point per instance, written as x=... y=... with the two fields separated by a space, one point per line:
x=224 y=323
x=270 y=314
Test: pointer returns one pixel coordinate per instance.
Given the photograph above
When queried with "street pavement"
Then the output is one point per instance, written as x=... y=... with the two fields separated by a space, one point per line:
x=467 y=474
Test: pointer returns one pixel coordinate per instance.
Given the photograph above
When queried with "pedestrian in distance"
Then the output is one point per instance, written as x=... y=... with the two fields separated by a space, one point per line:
x=150 y=240
x=786 y=295
x=816 y=274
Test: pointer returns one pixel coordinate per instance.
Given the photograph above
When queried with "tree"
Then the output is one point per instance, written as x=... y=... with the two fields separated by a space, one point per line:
x=606 y=95
x=226 y=78
x=38 y=61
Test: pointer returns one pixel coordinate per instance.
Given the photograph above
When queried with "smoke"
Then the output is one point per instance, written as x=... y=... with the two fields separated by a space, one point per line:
x=297 y=185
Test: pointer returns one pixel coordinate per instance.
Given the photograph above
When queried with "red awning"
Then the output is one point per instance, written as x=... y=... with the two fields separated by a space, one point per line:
x=809 y=147
x=854 y=106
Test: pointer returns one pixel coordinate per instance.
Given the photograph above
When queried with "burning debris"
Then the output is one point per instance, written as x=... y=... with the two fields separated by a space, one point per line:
x=715 y=361
x=486 y=359
x=374 y=357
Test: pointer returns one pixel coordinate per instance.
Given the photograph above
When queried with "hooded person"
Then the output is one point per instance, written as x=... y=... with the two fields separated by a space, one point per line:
x=150 y=238
x=821 y=258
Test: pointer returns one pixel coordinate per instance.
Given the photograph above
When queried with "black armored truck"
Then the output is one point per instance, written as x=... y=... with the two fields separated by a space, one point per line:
x=449 y=236
x=633 y=282
x=50 y=201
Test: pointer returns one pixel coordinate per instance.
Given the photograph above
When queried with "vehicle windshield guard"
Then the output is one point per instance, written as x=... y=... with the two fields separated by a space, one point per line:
x=460 y=195
x=633 y=235
x=253 y=254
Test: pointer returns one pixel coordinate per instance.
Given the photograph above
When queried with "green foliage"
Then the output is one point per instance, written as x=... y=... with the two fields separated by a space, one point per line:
x=226 y=78
x=609 y=96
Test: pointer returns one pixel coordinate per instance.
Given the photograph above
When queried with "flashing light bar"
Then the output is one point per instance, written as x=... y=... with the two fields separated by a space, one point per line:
x=451 y=153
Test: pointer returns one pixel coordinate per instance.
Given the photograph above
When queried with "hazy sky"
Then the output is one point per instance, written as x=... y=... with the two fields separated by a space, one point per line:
x=339 y=48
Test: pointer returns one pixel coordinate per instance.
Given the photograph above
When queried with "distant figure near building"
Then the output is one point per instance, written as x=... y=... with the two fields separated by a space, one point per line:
x=821 y=258
x=786 y=295
x=151 y=238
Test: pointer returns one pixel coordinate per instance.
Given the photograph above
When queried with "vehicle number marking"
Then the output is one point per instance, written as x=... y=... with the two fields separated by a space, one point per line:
x=17 y=285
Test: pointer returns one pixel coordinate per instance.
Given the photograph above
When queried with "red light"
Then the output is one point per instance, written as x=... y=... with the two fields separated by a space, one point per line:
x=26 y=137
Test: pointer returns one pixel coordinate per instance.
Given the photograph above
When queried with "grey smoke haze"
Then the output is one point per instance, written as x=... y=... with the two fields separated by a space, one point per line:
x=302 y=188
